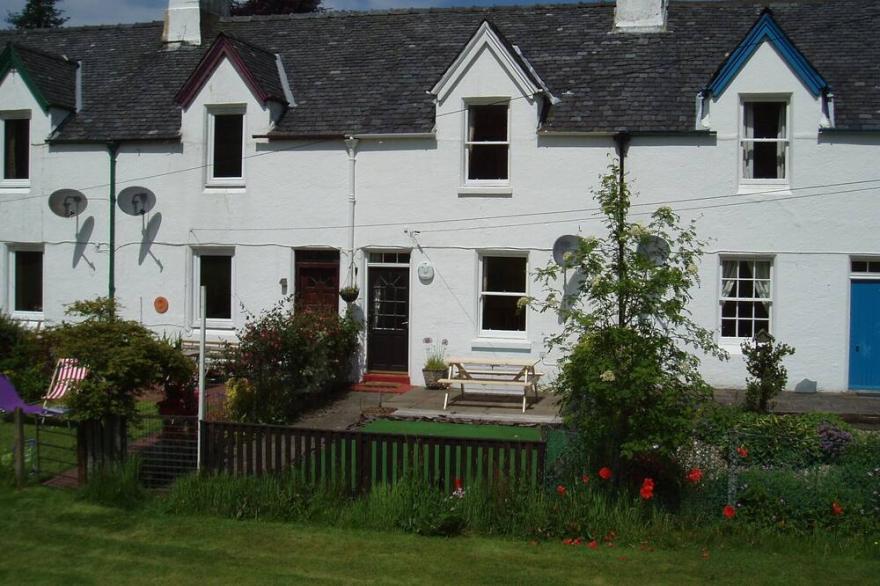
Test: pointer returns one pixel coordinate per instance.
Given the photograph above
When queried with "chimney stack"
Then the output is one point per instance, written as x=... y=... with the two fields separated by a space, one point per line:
x=183 y=20
x=640 y=16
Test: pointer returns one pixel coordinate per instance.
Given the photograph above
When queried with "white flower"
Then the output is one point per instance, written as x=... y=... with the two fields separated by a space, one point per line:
x=638 y=231
x=522 y=303
x=692 y=269
x=595 y=281
x=607 y=376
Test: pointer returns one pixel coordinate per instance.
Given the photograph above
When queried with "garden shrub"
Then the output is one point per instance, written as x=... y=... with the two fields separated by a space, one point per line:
x=629 y=377
x=767 y=375
x=123 y=357
x=25 y=359
x=285 y=360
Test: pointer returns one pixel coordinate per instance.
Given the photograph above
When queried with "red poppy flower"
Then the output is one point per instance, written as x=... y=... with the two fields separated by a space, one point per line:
x=647 y=490
x=560 y=490
x=729 y=512
x=585 y=478
x=695 y=476
x=567 y=541
x=593 y=544
x=458 y=484
x=836 y=509
x=605 y=473
x=742 y=451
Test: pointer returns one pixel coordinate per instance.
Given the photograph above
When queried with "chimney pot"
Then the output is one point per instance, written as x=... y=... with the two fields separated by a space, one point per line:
x=640 y=16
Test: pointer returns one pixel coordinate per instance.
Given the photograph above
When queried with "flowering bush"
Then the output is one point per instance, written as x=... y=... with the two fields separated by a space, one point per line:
x=286 y=360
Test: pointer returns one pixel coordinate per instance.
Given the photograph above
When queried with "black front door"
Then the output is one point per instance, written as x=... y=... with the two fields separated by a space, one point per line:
x=388 y=319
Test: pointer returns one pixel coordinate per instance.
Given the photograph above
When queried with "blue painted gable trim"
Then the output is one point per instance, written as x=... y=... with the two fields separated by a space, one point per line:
x=766 y=29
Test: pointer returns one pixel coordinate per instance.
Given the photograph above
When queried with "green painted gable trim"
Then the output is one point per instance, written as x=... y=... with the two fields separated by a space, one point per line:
x=10 y=60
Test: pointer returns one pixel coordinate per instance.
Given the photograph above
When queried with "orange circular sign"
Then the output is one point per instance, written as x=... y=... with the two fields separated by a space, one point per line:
x=161 y=304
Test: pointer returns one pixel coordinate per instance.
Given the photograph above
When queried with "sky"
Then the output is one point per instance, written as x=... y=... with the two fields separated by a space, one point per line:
x=115 y=11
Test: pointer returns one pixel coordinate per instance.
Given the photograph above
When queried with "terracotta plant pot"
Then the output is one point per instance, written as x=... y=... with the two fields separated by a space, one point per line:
x=431 y=378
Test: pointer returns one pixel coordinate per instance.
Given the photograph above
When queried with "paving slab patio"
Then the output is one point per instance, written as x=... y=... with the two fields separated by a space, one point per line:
x=421 y=403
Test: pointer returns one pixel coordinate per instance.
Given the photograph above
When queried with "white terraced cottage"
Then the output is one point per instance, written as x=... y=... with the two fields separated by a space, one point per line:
x=432 y=158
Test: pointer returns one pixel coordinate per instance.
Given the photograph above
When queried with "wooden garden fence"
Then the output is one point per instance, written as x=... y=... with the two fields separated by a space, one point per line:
x=358 y=460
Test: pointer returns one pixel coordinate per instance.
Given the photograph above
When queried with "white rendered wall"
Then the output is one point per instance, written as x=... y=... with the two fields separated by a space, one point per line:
x=296 y=195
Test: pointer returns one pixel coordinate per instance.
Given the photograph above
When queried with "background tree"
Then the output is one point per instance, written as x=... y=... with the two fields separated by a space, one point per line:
x=262 y=7
x=37 y=14
x=629 y=376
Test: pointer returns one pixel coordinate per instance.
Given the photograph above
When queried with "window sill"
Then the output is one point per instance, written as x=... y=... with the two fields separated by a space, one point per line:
x=485 y=191
x=29 y=318
x=15 y=188
x=782 y=188
x=224 y=189
x=216 y=327
x=520 y=345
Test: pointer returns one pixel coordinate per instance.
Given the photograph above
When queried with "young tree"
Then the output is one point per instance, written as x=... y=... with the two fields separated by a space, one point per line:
x=262 y=7
x=37 y=14
x=628 y=377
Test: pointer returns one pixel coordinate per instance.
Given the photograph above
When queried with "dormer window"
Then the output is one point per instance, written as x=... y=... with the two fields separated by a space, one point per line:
x=16 y=147
x=765 y=141
x=487 y=144
x=226 y=146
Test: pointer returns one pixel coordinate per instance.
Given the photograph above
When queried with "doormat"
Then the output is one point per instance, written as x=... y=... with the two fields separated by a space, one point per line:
x=381 y=387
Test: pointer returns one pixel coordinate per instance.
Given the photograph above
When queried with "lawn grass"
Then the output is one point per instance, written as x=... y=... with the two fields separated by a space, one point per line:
x=51 y=537
x=466 y=430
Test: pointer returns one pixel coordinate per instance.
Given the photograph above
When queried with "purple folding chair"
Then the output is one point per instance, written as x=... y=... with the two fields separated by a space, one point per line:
x=10 y=401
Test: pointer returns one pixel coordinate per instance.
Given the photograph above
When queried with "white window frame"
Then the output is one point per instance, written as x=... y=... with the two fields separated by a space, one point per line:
x=866 y=275
x=212 y=323
x=211 y=113
x=741 y=140
x=465 y=181
x=15 y=115
x=13 y=249
x=509 y=334
x=736 y=340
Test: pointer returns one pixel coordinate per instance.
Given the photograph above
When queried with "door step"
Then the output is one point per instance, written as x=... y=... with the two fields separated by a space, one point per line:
x=383 y=382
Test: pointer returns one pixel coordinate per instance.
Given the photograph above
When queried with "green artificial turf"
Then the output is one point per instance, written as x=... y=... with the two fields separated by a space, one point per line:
x=466 y=430
x=50 y=537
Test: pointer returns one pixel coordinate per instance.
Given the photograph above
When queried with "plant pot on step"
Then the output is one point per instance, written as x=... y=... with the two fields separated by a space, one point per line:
x=349 y=294
x=432 y=376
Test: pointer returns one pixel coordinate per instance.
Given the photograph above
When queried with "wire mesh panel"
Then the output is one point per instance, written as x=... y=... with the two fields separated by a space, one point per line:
x=165 y=446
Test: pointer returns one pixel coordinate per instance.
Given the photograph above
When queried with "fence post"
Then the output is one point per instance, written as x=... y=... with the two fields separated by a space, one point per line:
x=19 y=448
x=363 y=466
x=81 y=453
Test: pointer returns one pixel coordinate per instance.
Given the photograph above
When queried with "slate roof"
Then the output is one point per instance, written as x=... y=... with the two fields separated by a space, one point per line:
x=54 y=75
x=259 y=66
x=368 y=72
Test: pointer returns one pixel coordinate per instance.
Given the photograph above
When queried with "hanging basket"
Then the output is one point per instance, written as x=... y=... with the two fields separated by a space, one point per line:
x=349 y=294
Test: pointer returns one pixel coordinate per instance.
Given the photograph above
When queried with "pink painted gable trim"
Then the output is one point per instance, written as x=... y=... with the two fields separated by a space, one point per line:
x=221 y=48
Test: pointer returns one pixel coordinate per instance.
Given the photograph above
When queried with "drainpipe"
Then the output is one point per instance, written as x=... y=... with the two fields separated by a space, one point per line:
x=621 y=141
x=351 y=146
x=113 y=149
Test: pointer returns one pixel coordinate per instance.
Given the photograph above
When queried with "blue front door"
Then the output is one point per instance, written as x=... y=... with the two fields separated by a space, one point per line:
x=864 y=337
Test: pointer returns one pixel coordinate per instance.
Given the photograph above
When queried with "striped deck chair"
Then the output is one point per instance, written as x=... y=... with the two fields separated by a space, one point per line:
x=67 y=372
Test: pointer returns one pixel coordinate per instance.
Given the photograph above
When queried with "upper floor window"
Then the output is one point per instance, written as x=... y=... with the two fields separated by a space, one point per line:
x=16 y=147
x=487 y=145
x=765 y=141
x=226 y=146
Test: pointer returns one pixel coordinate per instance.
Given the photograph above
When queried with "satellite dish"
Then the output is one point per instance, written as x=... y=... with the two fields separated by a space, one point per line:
x=136 y=201
x=654 y=249
x=564 y=247
x=68 y=203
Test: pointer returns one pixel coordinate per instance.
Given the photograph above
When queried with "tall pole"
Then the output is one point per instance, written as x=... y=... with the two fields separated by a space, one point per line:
x=113 y=149
x=203 y=295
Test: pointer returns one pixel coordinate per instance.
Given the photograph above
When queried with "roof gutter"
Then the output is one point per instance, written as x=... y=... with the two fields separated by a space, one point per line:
x=347 y=135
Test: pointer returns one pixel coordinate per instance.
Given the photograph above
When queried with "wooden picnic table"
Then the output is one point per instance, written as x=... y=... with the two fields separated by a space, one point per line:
x=493 y=376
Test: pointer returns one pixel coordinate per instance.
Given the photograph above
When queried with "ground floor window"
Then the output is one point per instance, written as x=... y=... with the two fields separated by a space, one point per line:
x=317 y=280
x=746 y=297
x=213 y=269
x=502 y=285
x=27 y=280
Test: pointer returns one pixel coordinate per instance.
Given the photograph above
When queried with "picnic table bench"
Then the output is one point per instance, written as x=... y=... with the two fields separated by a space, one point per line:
x=492 y=376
